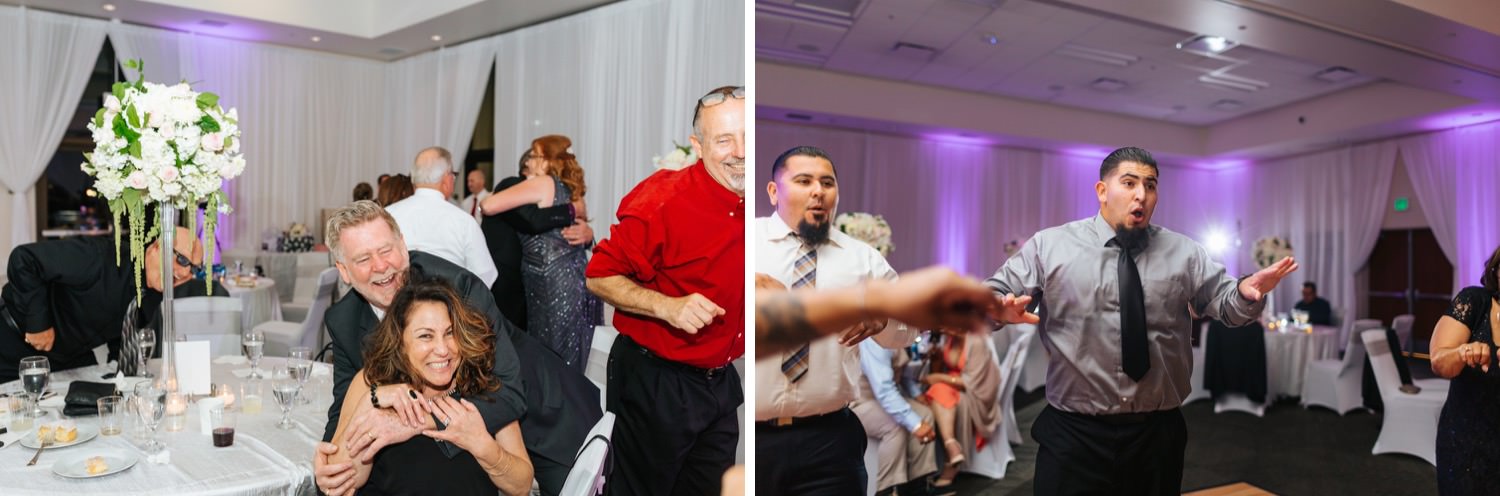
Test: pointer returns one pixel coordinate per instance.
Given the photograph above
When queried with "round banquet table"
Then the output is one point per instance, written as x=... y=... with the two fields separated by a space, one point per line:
x=263 y=460
x=261 y=301
x=1288 y=351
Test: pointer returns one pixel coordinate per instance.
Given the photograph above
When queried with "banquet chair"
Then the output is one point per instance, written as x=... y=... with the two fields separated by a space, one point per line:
x=597 y=367
x=997 y=454
x=310 y=267
x=1409 y=424
x=1335 y=384
x=281 y=336
x=1012 y=380
x=591 y=465
x=215 y=319
x=1402 y=324
x=1196 y=377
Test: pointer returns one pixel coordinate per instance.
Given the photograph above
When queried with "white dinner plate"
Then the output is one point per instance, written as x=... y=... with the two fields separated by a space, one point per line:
x=86 y=432
x=75 y=465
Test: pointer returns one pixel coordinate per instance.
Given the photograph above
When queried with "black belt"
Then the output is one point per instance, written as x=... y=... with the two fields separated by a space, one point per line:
x=1119 y=418
x=706 y=373
x=783 y=422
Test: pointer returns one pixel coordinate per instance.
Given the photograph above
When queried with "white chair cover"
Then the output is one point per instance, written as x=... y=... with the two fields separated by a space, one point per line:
x=1410 y=422
x=1336 y=384
x=1402 y=324
x=281 y=336
x=997 y=454
x=215 y=319
x=592 y=463
x=1199 y=392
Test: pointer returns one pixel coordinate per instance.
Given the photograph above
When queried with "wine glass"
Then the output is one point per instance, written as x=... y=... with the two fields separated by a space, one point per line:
x=254 y=342
x=35 y=371
x=151 y=405
x=299 y=365
x=286 y=390
x=146 y=337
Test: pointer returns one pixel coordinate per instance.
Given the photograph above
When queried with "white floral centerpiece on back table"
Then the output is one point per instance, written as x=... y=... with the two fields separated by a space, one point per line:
x=872 y=229
x=1268 y=251
x=680 y=156
x=167 y=145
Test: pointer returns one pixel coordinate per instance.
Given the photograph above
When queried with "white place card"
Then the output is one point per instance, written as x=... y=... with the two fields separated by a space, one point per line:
x=193 y=372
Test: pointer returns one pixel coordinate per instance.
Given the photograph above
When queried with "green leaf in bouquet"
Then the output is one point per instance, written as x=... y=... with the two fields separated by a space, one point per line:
x=228 y=140
x=99 y=117
x=119 y=90
x=135 y=118
x=208 y=125
x=123 y=130
x=135 y=149
x=207 y=100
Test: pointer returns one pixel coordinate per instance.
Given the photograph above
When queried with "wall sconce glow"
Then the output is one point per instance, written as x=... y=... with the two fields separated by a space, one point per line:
x=1216 y=242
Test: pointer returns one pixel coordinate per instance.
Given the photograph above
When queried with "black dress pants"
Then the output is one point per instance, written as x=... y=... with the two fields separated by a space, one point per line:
x=1132 y=454
x=675 y=425
x=822 y=455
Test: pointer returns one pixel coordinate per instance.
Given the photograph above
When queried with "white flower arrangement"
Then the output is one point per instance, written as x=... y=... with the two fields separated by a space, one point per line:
x=680 y=156
x=162 y=144
x=1269 y=250
x=872 y=229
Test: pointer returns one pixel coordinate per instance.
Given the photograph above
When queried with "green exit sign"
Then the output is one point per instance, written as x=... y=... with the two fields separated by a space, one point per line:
x=1402 y=204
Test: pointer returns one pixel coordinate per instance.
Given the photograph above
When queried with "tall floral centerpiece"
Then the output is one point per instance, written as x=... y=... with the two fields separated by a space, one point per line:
x=872 y=229
x=173 y=147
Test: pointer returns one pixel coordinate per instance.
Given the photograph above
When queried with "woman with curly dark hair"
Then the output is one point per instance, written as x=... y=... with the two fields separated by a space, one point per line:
x=430 y=350
x=1463 y=349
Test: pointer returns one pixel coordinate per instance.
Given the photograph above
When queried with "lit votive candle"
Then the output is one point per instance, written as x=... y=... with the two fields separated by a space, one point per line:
x=224 y=393
x=176 y=410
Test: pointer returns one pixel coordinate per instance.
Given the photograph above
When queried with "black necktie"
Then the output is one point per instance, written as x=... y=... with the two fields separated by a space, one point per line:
x=1132 y=317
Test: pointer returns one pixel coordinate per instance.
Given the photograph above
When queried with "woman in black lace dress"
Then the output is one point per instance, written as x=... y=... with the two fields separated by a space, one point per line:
x=1463 y=349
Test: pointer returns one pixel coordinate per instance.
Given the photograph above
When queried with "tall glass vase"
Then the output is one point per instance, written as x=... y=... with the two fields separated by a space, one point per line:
x=167 y=378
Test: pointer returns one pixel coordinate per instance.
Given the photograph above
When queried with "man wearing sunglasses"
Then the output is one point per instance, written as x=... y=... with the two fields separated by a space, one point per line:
x=67 y=297
x=674 y=267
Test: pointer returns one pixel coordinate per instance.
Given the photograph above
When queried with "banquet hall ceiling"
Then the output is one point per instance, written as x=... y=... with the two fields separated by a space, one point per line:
x=1120 y=57
x=375 y=29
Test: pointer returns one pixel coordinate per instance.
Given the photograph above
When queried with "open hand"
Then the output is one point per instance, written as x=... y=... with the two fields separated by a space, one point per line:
x=1262 y=282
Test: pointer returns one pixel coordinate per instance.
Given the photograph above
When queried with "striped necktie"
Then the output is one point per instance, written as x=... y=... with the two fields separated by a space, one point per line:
x=806 y=273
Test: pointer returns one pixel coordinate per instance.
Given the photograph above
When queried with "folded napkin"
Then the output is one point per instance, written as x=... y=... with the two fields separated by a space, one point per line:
x=83 y=398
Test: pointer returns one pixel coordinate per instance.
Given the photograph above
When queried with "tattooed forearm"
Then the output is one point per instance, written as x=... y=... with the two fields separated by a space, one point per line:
x=781 y=324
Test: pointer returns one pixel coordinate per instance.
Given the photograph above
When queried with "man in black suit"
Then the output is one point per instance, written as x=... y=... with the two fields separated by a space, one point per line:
x=555 y=405
x=502 y=234
x=66 y=297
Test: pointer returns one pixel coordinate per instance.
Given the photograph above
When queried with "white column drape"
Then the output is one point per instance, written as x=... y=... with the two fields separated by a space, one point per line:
x=47 y=59
x=621 y=81
x=1454 y=174
x=447 y=89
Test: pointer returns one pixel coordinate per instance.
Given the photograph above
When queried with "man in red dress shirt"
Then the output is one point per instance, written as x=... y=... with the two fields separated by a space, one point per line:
x=674 y=267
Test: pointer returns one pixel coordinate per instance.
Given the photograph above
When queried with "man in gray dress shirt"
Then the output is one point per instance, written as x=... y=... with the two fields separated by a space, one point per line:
x=1117 y=290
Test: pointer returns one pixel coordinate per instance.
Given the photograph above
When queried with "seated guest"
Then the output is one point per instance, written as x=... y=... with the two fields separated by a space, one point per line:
x=66 y=297
x=964 y=390
x=903 y=426
x=363 y=191
x=556 y=405
x=431 y=344
x=1319 y=312
x=394 y=189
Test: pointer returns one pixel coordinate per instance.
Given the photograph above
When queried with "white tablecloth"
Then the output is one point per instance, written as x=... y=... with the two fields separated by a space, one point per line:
x=263 y=459
x=1287 y=355
x=261 y=302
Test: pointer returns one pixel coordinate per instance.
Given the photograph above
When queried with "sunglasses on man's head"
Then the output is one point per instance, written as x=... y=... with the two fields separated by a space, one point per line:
x=718 y=97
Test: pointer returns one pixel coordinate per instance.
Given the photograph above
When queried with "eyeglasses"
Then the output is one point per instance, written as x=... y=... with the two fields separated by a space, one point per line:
x=184 y=261
x=718 y=97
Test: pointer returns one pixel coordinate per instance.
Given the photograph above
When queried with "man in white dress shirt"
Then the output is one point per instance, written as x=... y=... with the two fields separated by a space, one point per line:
x=807 y=439
x=477 y=193
x=433 y=225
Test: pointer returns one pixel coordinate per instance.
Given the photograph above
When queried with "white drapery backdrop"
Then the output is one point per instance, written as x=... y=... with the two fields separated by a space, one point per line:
x=1455 y=174
x=621 y=80
x=958 y=204
x=47 y=59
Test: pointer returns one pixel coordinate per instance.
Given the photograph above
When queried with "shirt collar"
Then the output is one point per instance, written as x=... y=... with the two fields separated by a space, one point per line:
x=778 y=230
x=1103 y=233
x=430 y=193
x=716 y=191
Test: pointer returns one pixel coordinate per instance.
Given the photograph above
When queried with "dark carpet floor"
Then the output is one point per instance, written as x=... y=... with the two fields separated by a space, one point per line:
x=1290 y=451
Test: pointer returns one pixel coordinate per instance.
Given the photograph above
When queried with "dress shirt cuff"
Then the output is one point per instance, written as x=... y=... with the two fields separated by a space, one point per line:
x=911 y=421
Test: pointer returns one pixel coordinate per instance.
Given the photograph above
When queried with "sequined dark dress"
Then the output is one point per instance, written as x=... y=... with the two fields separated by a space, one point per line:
x=560 y=310
x=1468 y=440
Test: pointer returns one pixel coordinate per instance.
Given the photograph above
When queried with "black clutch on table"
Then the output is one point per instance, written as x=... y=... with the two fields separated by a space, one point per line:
x=83 y=398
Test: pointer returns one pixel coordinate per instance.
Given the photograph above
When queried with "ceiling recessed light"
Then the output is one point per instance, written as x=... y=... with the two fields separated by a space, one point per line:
x=1206 y=44
x=1336 y=74
x=437 y=37
x=316 y=39
x=989 y=39
x=108 y=7
x=1108 y=85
